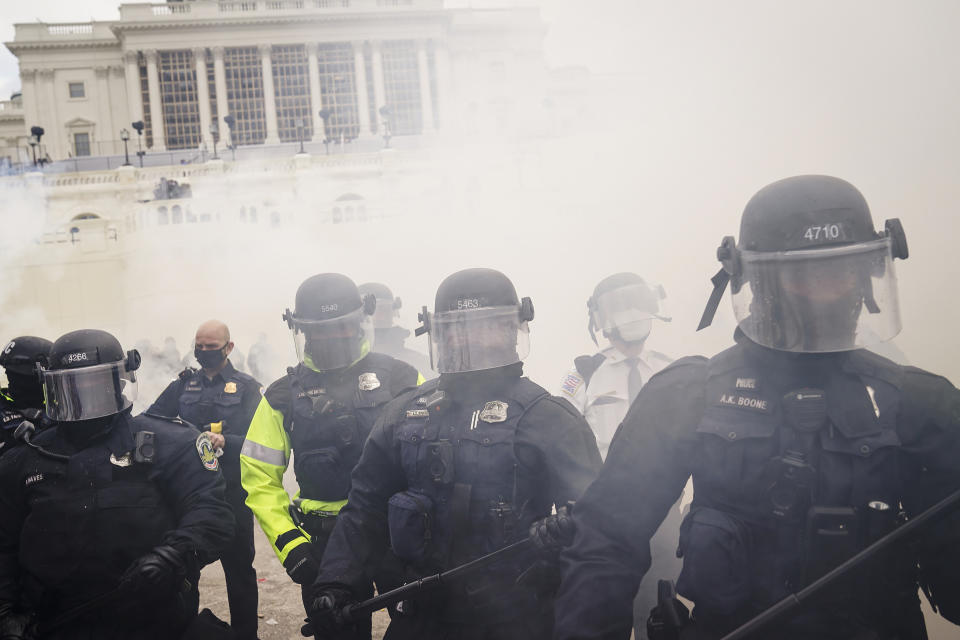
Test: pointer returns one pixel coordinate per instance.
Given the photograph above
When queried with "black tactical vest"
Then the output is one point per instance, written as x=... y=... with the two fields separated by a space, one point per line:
x=797 y=468
x=329 y=419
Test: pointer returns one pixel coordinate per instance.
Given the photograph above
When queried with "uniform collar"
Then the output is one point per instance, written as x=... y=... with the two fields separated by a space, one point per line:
x=224 y=374
x=614 y=355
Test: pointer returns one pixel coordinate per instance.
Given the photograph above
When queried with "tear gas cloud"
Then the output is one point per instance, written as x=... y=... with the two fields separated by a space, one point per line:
x=692 y=107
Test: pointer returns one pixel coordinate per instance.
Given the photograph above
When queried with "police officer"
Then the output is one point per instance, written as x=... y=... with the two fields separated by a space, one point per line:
x=602 y=387
x=459 y=468
x=803 y=446
x=220 y=400
x=107 y=518
x=22 y=399
x=389 y=338
x=323 y=410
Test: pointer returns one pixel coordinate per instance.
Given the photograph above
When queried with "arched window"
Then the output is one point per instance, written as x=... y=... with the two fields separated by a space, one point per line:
x=177 y=214
x=253 y=215
x=349 y=216
x=162 y=216
x=337 y=215
x=274 y=219
x=243 y=215
x=362 y=213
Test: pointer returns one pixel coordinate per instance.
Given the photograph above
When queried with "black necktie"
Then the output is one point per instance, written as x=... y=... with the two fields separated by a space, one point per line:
x=634 y=379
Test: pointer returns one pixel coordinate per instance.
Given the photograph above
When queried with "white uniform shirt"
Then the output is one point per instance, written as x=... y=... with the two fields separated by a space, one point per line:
x=604 y=400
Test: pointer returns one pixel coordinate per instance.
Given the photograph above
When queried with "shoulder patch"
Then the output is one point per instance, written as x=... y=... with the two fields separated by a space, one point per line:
x=571 y=383
x=207 y=455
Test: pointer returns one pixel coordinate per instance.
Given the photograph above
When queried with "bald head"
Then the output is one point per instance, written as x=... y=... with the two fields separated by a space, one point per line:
x=213 y=335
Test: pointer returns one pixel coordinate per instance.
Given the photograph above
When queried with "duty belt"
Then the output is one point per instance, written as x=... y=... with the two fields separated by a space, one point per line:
x=317 y=525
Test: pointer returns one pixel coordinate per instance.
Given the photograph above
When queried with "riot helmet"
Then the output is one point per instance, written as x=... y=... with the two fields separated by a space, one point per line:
x=388 y=307
x=477 y=323
x=20 y=358
x=810 y=274
x=331 y=323
x=624 y=306
x=88 y=376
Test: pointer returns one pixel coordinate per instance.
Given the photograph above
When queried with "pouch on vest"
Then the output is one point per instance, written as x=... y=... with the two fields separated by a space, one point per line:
x=319 y=474
x=410 y=520
x=716 y=574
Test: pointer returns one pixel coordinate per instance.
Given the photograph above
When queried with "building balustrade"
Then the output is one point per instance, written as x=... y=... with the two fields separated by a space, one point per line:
x=210 y=9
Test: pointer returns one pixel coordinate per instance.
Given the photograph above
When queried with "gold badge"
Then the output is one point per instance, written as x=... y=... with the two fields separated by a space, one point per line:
x=230 y=387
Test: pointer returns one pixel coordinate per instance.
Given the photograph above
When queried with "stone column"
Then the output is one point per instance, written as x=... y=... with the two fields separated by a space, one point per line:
x=104 y=142
x=156 y=107
x=131 y=72
x=269 y=95
x=360 y=78
x=203 y=95
x=444 y=80
x=220 y=85
x=379 y=90
x=316 y=100
x=118 y=99
x=426 y=98
x=52 y=143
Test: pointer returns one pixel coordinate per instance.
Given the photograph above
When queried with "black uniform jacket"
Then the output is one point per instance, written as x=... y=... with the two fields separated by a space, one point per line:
x=231 y=397
x=551 y=440
x=70 y=528
x=720 y=420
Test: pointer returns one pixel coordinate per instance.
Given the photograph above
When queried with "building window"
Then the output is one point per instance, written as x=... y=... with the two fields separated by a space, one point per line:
x=434 y=90
x=177 y=214
x=212 y=84
x=77 y=90
x=243 y=70
x=145 y=99
x=338 y=90
x=291 y=84
x=401 y=80
x=371 y=91
x=163 y=217
x=178 y=95
x=81 y=144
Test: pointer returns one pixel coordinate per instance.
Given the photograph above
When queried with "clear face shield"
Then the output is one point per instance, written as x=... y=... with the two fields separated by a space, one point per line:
x=819 y=300
x=477 y=339
x=88 y=392
x=629 y=310
x=323 y=345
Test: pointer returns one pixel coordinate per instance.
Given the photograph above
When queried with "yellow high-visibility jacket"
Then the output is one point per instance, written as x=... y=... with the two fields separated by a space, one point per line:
x=364 y=388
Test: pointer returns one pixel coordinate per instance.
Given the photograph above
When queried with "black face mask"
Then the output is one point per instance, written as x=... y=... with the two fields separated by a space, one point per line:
x=210 y=359
x=26 y=390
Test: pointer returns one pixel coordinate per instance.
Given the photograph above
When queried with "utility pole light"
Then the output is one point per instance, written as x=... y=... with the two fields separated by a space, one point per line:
x=300 y=125
x=215 y=134
x=231 y=123
x=125 y=136
x=138 y=127
x=36 y=133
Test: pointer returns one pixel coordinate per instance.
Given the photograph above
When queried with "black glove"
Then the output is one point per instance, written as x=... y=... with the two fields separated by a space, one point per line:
x=551 y=534
x=326 y=616
x=300 y=564
x=159 y=573
x=14 y=626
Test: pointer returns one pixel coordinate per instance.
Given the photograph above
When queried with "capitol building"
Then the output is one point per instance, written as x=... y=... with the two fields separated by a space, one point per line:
x=265 y=72
x=265 y=121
